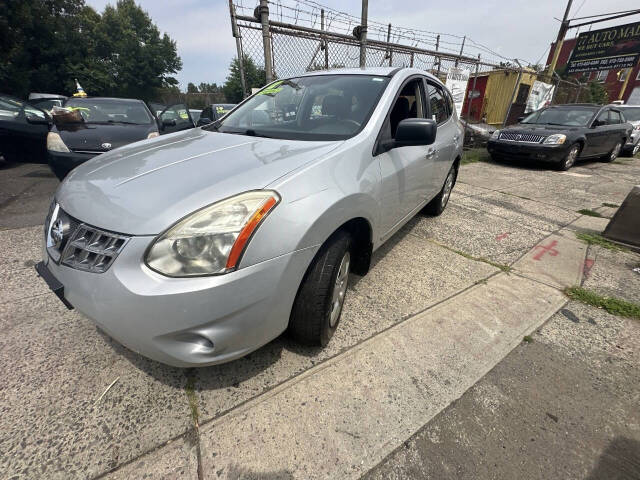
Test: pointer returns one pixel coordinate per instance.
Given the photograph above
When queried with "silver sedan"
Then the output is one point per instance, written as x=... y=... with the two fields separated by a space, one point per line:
x=199 y=247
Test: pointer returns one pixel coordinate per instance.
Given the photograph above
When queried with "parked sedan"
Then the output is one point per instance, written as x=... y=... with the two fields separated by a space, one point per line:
x=199 y=247
x=562 y=134
x=631 y=114
x=103 y=124
x=23 y=130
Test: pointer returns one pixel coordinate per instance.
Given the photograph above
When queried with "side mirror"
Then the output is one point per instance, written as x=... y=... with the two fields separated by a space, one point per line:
x=203 y=121
x=168 y=122
x=416 y=131
x=520 y=119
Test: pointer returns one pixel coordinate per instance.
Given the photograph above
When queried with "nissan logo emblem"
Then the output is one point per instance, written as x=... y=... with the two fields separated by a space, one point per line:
x=106 y=146
x=58 y=232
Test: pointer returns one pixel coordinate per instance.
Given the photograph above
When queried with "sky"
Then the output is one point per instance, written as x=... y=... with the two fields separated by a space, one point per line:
x=513 y=28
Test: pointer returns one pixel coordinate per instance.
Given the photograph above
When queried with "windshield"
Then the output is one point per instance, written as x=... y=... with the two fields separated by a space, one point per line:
x=323 y=107
x=631 y=114
x=577 y=117
x=110 y=110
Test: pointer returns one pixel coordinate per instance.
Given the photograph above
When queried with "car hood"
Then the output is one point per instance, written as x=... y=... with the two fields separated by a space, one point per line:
x=94 y=137
x=145 y=187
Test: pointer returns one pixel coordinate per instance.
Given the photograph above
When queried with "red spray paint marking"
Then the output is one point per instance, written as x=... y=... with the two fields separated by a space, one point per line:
x=546 y=249
x=588 y=264
x=502 y=236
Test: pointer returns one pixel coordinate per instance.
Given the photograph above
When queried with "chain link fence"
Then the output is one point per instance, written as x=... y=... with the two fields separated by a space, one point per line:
x=309 y=39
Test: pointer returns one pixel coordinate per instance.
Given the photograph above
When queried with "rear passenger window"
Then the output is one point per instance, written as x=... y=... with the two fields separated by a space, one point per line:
x=614 y=118
x=439 y=103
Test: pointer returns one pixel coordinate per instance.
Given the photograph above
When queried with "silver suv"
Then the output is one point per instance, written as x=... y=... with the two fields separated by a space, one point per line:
x=198 y=247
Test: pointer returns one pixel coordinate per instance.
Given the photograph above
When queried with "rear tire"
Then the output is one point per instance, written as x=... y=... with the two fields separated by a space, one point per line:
x=436 y=206
x=570 y=158
x=317 y=309
x=613 y=154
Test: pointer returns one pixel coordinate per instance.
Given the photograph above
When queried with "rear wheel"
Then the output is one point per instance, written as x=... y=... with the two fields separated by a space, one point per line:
x=570 y=158
x=613 y=154
x=632 y=152
x=436 y=206
x=318 y=306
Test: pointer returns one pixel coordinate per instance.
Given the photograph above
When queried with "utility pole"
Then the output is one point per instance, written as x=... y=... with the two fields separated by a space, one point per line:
x=363 y=33
x=390 y=50
x=626 y=82
x=236 y=35
x=266 y=40
x=564 y=26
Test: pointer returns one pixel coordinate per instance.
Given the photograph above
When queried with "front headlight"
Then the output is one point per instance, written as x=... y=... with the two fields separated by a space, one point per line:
x=55 y=143
x=495 y=135
x=210 y=241
x=555 y=139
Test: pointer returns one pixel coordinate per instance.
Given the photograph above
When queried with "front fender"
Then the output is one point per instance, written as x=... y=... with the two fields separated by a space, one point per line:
x=307 y=222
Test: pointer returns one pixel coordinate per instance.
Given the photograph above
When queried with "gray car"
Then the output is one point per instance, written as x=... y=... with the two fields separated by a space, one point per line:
x=198 y=247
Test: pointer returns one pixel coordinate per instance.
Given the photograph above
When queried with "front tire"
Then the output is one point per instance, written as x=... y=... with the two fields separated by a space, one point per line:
x=436 y=206
x=318 y=306
x=570 y=158
x=613 y=154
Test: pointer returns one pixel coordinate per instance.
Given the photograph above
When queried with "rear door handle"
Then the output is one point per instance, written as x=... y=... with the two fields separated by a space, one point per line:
x=456 y=138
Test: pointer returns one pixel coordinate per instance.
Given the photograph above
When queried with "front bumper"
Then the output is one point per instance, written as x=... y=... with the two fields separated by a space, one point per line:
x=61 y=163
x=186 y=322
x=527 y=151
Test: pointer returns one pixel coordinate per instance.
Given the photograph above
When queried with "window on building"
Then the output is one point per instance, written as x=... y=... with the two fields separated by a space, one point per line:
x=601 y=76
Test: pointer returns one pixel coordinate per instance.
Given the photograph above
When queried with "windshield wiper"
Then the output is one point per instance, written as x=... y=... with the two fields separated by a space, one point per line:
x=249 y=132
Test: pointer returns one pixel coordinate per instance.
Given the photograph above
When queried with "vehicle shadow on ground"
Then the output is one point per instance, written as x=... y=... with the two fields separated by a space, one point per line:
x=534 y=165
x=620 y=460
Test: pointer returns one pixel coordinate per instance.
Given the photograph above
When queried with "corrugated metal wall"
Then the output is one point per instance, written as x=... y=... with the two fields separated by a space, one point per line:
x=499 y=92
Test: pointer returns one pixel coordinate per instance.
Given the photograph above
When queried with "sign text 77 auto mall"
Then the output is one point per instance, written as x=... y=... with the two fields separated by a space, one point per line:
x=610 y=48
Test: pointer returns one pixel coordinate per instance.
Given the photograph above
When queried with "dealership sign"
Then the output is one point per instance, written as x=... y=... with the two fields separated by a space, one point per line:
x=607 y=49
x=456 y=82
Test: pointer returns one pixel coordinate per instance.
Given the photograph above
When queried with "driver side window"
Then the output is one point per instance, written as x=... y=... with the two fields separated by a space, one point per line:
x=602 y=119
x=409 y=104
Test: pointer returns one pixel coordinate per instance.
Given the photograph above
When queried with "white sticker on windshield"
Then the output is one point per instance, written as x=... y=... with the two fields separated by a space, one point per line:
x=376 y=79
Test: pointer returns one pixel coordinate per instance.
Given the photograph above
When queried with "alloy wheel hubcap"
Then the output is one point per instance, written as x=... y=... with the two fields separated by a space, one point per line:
x=340 y=289
x=571 y=158
x=616 y=150
x=636 y=149
x=448 y=186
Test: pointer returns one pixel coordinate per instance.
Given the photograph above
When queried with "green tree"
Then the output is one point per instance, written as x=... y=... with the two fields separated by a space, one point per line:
x=255 y=77
x=191 y=88
x=36 y=39
x=597 y=93
x=45 y=44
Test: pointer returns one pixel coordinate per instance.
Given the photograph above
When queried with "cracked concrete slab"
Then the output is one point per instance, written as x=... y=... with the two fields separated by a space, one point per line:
x=54 y=366
x=563 y=406
x=556 y=261
x=408 y=275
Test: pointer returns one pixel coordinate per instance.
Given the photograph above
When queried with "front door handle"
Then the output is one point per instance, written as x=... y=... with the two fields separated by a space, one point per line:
x=456 y=138
x=431 y=153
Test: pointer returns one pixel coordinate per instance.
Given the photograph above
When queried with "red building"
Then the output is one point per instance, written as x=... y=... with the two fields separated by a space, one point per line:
x=613 y=80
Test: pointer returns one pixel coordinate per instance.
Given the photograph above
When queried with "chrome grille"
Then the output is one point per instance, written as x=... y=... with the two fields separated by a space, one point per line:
x=91 y=249
x=522 y=137
x=83 y=247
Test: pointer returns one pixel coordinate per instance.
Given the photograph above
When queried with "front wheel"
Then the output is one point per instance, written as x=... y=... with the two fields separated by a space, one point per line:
x=436 y=206
x=318 y=306
x=613 y=154
x=570 y=158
